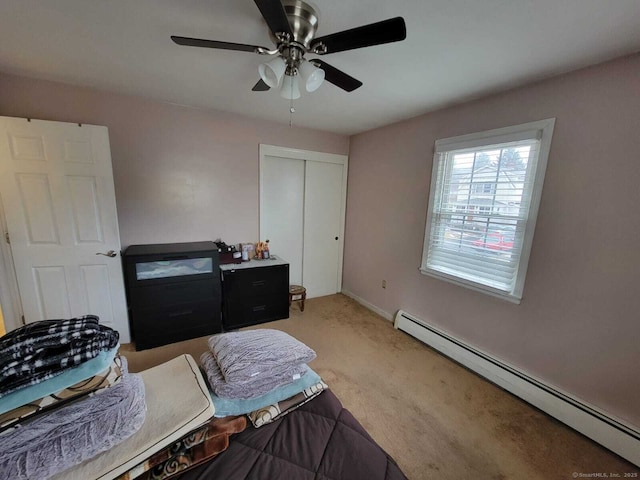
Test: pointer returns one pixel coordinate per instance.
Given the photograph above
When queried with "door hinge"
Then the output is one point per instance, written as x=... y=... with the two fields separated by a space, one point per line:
x=7 y=238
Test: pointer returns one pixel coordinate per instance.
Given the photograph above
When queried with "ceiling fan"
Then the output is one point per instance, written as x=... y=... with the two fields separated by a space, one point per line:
x=293 y=25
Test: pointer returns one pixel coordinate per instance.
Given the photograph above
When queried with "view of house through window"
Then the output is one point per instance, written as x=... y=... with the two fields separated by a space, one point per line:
x=481 y=204
x=485 y=192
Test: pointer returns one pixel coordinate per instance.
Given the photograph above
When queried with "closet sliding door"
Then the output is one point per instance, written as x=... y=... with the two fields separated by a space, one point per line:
x=282 y=210
x=302 y=206
x=322 y=260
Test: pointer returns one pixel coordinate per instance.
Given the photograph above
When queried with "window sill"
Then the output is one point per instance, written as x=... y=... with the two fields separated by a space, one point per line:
x=471 y=285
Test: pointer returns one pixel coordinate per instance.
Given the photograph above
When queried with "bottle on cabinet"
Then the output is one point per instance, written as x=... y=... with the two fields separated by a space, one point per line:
x=262 y=250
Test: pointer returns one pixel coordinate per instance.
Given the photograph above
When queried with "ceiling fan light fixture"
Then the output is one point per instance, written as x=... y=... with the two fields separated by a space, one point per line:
x=312 y=76
x=290 y=88
x=272 y=72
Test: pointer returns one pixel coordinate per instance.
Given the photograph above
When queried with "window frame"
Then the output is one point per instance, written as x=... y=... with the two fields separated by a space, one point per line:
x=541 y=130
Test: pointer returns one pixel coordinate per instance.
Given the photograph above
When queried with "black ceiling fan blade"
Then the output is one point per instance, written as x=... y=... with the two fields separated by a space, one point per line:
x=275 y=16
x=260 y=86
x=386 y=31
x=198 y=42
x=337 y=77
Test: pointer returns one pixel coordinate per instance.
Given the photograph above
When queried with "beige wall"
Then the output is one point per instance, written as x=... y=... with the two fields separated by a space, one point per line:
x=180 y=174
x=578 y=326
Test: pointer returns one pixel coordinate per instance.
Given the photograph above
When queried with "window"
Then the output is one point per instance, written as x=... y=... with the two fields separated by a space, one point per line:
x=485 y=192
x=481 y=188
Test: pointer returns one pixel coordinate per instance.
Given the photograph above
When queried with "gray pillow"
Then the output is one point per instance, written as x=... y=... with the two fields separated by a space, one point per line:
x=251 y=389
x=246 y=356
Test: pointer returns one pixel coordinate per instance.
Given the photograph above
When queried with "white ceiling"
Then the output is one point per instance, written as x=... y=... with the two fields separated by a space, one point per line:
x=455 y=50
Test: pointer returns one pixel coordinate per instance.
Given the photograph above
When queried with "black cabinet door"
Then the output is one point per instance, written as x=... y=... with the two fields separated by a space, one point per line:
x=174 y=293
x=249 y=282
x=254 y=310
x=160 y=325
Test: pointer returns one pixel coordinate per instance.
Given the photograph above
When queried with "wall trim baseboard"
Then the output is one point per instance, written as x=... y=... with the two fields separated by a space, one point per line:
x=370 y=306
x=603 y=428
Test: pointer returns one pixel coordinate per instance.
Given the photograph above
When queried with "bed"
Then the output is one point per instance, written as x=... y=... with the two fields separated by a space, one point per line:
x=265 y=414
x=319 y=440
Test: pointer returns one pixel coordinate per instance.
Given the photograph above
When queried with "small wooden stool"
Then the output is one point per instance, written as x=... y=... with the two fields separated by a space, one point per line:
x=297 y=293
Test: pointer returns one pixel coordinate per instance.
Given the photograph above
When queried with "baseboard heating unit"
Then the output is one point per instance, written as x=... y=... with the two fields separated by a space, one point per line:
x=599 y=426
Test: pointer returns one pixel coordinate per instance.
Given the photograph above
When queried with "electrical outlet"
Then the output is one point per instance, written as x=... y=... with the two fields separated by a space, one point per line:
x=384 y=284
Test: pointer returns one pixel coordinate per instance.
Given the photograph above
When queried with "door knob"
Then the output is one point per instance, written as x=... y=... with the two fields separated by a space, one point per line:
x=336 y=238
x=110 y=253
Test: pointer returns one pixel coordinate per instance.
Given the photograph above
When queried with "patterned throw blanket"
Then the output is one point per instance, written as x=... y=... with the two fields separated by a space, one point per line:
x=42 y=350
x=196 y=447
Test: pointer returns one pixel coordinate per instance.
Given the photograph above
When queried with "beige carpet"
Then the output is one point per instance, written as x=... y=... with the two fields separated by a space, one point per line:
x=437 y=419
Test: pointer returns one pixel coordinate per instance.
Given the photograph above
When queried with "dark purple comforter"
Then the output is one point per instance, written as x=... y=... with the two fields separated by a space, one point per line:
x=320 y=440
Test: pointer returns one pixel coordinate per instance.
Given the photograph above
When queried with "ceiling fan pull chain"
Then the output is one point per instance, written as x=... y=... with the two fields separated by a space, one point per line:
x=291 y=110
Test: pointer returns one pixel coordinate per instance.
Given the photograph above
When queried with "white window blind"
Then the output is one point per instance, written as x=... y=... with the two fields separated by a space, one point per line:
x=484 y=198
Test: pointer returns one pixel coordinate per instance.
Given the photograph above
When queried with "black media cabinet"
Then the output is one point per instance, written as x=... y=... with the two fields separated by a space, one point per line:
x=173 y=292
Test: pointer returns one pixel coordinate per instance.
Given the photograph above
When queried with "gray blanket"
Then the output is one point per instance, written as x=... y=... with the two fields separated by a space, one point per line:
x=251 y=389
x=74 y=433
x=248 y=355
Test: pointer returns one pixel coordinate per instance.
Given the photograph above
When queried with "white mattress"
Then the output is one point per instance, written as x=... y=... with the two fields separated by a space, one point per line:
x=177 y=400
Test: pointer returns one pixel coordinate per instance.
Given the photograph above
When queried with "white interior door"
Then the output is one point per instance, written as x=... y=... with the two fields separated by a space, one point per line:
x=302 y=205
x=322 y=228
x=282 y=210
x=9 y=295
x=57 y=188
